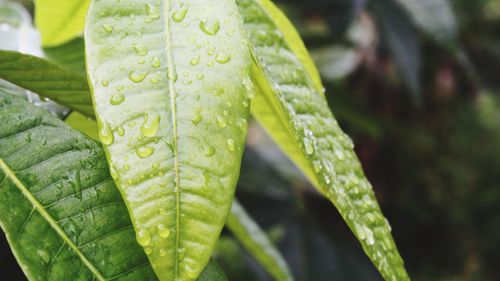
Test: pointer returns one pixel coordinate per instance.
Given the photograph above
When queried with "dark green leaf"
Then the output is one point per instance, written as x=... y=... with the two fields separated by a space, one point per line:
x=60 y=210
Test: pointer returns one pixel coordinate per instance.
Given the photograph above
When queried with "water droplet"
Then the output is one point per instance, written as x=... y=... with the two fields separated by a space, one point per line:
x=197 y=118
x=144 y=151
x=231 y=145
x=317 y=166
x=152 y=12
x=151 y=125
x=222 y=58
x=116 y=99
x=309 y=147
x=180 y=14
x=105 y=83
x=221 y=121
x=242 y=123
x=107 y=27
x=44 y=255
x=210 y=28
x=140 y=50
x=208 y=150
x=141 y=61
x=191 y=273
x=211 y=51
x=120 y=131
x=143 y=237
x=137 y=76
x=155 y=62
x=148 y=251
x=249 y=88
x=172 y=75
x=162 y=253
x=162 y=231
x=181 y=252
x=105 y=133
x=120 y=88
x=195 y=60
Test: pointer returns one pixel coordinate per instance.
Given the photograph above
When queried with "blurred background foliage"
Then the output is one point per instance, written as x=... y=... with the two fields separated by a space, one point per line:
x=414 y=83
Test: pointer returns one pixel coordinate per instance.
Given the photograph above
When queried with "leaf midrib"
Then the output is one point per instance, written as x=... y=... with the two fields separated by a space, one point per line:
x=173 y=107
x=10 y=174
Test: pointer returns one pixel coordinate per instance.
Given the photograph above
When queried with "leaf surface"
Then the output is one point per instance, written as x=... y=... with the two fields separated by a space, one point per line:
x=60 y=210
x=257 y=243
x=168 y=82
x=46 y=79
x=291 y=106
x=60 y=21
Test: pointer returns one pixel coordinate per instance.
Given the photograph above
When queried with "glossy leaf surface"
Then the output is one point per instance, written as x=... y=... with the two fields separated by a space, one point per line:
x=60 y=210
x=290 y=104
x=46 y=79
x=257 y=243
x=60 y=21
x=168 y=84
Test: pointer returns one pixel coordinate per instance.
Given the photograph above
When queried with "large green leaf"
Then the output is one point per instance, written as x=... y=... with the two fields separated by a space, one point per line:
x=60 y=21
x=291 y=106
x=70 y=56
x=257 y=243
x=60 y=210
x=46 y=79
x=169 y=83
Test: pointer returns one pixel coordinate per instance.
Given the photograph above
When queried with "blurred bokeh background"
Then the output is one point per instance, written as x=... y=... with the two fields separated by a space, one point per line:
x=414 y=83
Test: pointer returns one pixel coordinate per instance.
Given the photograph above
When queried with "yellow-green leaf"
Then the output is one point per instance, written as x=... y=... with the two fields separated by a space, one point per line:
x=291 y=106
x=168 y=81
x=59 y=21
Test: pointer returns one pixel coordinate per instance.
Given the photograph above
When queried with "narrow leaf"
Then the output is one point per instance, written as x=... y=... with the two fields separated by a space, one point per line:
x=60 y=210
x=46 y=79
x=60 y=21
x=168 y=83
x=257 y=243
x=290 y=105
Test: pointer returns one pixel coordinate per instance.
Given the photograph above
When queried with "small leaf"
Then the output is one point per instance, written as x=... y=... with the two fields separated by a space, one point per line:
x=46 y=79
x=257 y=243
x=291 y=106
x=60 y=21
x=167 y=79
x=55 y=232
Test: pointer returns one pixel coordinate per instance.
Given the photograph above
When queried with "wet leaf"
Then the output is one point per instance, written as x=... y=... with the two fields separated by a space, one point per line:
x=291 y=106
x=168 y=84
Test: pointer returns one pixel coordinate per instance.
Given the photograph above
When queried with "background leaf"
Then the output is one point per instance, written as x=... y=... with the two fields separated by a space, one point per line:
x=169 y=88
x=46 y=79
x=60 y=21
x=257 y=243
x=291 y=107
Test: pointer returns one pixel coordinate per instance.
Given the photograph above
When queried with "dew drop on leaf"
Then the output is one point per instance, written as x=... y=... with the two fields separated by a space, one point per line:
x=210 y=28
x=309 y=147
x=137 y=77
x=162 y=253
x=140 y=50
x=221 y=121
x=180 y=14
x=144 y=151
x=155 y=62
x=231 y=146
x=143 y=237
x=195 y=60
x=162 y=231
x=222 y=58
x=116 y=99
x=107 y=27
x=105 y=133
x=151 y=125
